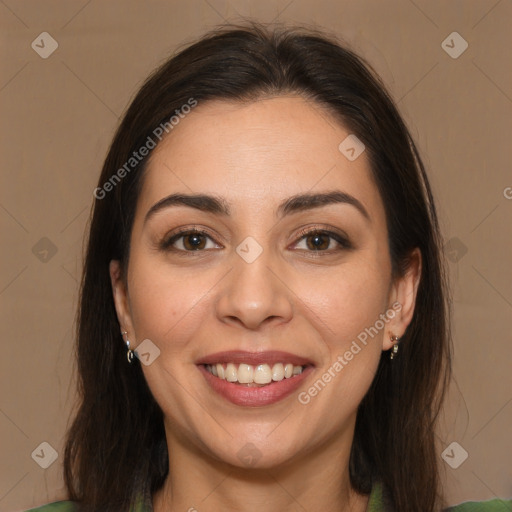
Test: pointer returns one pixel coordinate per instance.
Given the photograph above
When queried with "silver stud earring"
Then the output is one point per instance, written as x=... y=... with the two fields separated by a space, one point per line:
x=394 y=351
x=129 y=353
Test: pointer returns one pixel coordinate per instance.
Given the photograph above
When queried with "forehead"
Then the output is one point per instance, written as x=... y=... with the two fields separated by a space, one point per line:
x=267 y=149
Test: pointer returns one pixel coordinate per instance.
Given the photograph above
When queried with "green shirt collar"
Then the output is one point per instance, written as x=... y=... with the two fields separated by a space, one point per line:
x=375 y=501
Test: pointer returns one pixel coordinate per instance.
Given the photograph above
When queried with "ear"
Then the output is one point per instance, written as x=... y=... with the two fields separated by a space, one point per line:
x=402 y=299
x=121 y=300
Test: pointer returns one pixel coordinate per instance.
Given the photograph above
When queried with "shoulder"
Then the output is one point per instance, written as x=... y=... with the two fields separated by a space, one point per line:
x=495 y=505
x=376 y=503
x=58 y=506
x=142 y=505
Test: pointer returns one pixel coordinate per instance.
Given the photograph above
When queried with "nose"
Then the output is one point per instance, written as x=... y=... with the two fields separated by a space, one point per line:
x=254 y=295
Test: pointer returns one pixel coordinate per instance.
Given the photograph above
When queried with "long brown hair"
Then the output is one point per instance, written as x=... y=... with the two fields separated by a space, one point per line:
x=116 y=445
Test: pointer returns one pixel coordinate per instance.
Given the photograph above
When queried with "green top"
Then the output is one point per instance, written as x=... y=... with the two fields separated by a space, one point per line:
x=374 y=505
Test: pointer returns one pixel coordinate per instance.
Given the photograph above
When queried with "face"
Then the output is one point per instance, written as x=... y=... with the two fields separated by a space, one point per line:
x=283 y=267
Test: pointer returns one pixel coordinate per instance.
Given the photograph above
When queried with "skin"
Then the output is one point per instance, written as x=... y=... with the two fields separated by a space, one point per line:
x=293 y=298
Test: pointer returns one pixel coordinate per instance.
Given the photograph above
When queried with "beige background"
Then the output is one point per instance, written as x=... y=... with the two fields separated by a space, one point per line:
x=59 y=114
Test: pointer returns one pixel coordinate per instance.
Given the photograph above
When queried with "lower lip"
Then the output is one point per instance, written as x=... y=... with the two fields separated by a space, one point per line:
x=255 y=396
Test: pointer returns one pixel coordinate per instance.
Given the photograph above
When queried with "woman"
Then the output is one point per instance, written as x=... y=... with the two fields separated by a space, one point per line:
x=264 y=235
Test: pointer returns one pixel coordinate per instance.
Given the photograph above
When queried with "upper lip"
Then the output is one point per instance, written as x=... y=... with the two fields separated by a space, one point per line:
x=254 y=358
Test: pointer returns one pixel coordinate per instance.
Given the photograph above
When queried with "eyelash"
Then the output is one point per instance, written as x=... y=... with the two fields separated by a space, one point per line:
x=167 y=243
x=342 y=241
x=344 y=244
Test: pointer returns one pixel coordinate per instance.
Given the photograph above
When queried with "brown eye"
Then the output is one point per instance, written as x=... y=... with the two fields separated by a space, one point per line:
x=189 y=241
x=322 y=241
x=194 y=242
x=318 y=241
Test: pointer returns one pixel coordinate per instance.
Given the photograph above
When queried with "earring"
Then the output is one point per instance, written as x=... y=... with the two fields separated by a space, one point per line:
x=394 y=351
x=129 y=353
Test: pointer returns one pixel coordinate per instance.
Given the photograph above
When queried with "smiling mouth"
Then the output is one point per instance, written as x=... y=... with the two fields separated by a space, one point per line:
x=254 y=375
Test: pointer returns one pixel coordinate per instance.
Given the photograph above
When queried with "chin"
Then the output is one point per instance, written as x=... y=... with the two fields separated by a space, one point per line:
x=255 y=454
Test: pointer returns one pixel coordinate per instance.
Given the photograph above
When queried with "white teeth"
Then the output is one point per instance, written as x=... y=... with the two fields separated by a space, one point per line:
x=247 y=374
x=278 y=372
x=231 y=374
x=262 y=374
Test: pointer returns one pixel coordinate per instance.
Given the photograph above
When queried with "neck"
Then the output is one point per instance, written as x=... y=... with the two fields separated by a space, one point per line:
x=318 y=481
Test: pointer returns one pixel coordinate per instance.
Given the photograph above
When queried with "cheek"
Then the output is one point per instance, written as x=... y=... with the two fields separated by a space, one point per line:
x=347 y=308
x=347 y=301
x=165 y=302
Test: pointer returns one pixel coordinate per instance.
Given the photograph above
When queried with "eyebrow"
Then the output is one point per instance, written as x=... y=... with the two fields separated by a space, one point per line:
x=297 y=203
